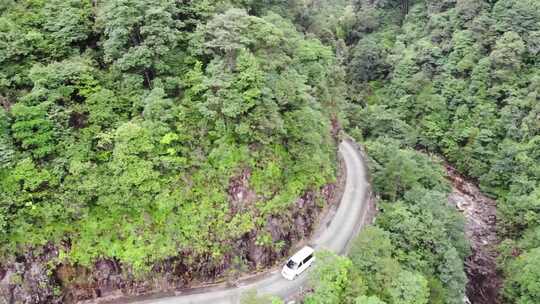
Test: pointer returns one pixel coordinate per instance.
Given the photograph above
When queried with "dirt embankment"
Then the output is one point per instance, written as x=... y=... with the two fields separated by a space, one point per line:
x=480 y=212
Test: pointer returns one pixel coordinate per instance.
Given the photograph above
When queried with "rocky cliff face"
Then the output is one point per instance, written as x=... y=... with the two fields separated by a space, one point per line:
x=26 y=279
x=39 y=279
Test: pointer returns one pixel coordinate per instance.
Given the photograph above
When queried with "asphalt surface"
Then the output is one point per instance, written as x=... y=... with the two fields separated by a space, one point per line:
x=333 y=236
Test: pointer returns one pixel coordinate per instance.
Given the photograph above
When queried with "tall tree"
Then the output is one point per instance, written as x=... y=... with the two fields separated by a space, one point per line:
x=139 y=35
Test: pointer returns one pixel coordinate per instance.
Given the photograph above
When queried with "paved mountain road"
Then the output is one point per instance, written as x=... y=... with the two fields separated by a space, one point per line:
x=348 y=218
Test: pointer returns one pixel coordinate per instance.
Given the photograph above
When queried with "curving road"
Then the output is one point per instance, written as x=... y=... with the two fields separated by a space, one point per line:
x=335 y=235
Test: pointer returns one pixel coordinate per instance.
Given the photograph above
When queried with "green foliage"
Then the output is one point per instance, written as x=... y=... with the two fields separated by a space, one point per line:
x=124 y=123
x=330 y=279
x=33 y=130
x=139 y=35
x=7 y=151
x=517 y=16
x=368 y=60
x=368 y=300
x=68 y=22
x=409 y=288
x=341 y=279
x=458 y=79
x=523 y=283
x=396 y=171
x=124 y=126
x=422 y=235
x=371 y=255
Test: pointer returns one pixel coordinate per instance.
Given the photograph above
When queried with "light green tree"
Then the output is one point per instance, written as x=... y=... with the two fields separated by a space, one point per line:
x=368 y=300
x=33 y=129
x=523 y=285
x=139 y=35
x=330 y=279
x=409 y=288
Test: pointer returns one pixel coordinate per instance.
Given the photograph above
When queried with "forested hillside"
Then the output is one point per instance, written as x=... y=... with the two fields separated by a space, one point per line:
x=148 y=144
x=151 y=145
x=453 y=78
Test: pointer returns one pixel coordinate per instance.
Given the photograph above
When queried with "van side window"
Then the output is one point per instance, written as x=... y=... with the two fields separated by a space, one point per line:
x=308 y=258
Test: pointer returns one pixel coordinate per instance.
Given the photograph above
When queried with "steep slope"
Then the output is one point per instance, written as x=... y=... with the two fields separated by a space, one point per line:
x=149 y=145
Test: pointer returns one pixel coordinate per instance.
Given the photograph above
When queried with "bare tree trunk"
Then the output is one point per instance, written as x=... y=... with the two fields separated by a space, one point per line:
x=148 y=74
x=404 y=9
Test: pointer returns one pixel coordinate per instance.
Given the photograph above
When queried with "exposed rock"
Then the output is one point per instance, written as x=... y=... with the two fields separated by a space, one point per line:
x=5 y=103
x=3 y=272
x=240 y=194
x=306 y=201
x=256 y=254
x=27 y=279
x=275 y=227
x=480 y=212
x=329 y=192
x=5 y=286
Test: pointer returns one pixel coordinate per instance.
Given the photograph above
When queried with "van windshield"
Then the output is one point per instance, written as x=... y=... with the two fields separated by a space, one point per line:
x=291 y=264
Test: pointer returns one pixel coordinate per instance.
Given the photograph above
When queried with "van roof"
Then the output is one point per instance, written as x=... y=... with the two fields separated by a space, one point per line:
x=302 y=254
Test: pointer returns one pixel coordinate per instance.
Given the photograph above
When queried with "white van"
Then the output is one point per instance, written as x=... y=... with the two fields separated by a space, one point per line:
x=299 y=262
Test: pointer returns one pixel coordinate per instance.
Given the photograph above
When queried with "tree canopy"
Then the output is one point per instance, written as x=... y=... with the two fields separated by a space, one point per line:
x=170 y=136
x=144 y=133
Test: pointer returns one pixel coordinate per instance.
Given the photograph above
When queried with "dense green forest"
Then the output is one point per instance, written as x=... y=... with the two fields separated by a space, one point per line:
x=183 y=139
x=161 y=136
x=460 y=79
